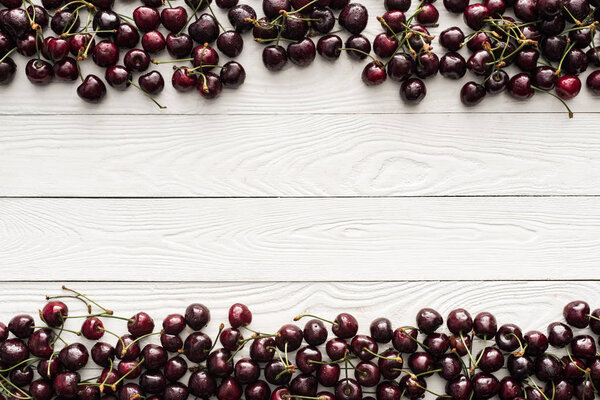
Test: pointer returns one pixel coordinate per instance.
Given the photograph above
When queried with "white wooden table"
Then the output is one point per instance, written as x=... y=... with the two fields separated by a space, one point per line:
x=303 y=176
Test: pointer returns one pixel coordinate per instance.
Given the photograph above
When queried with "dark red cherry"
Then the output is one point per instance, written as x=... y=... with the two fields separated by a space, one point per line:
x=553 y=47
x=41 y=390
x=373 y=74
x=459 y=388
x=475 y=16
x=197 y=316
x=205 y=29
x=21 y=376
x=175 y=391
x=345 y=325
x=420 y=362
x=153 y=382
x=174 y=343
x=537 y=343
x=453 y=66
x=449 y=366
x=593 y=84
x=173 y=18
x=559 y=334
x=510 y=389
x=519 y=368
x=328 y=374
x=8 y=68
x=363 y=347
x=485 y=325
x=75 y=356
x=354 y=18
x=547 y=368
x=277 y=373
x=459 y=320
x=472 y=93
x=582 y=346
x=241 y=16
x=127 y=36
x=358 y=42
x=39 y=72
x=230 y=43
x=118 y=77
x=545 y=79
x=456 y=6
x=367 y=374
x=337 y=348
x=153 y=42
x=289 y=337
x=106 y=20
x=490 y=359
x=307 y=359
x=509 y=336
x=294 y=29
x=92 y=328
x=229 y=389
x=574 y=368
x=437 y=343
x=329 y=46
x=64 y=21
x=136 y=60
x=347 y=389
x=452 y=38
x=323 y=20
x=302 y=53
x=131 y=368
x=175 y=368
x=179 y=46
x=400 y=68
x=141 y=323
x=262 y=349
x=404 y=339
x=485 y=386
x=127 y=348
x=384 y=45
x=66 y=384
x=381 y=328
x=105 y=54
x=219 y=363
x=154 y=356
x=54 y=312
x=246 y=371
x=259 y=390
x=21 y=325
x=304 y=385
x=527 y=59
x=41 y=342
x=146 y=18
x=130 y=391
x=102 y=354
x=48 y=368
x=413 y=387
x=197 y=344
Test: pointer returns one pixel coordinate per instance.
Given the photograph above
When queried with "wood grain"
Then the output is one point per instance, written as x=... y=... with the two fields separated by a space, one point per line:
x=323 y=87
x=300 y=239
x=317 y=155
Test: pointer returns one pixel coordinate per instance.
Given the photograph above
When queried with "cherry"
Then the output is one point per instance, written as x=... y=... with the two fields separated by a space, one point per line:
x=272 y=8
x=404 y=339
x=459 y=388
x=582 y=346
x=48 y=369
x=527 y=59
x=519 y=367
x=509 y=336
x=373 y=74
x=452 y=38
x=559 y=334
x=553 y=26
x=75 y=356
x=197 y=344
x=294 y=29
x=11 y=3
x=274 y=57
x=230 y=338
x=127 y=348
x=437 y=343
x=461 y=344
x=246 y=371
x=102 y=354
x=388 y=391
x=315 y=332
x=477 y=41
x=393 y=22
x=219 y=363
x=417 y=41
x=40 y=343
x=198 y=5
x=581 y=38
x=39 y=15
x=146 y=18
x=578 y=9
x=206 y=57
x=533 y=393
x=553 y=47
x=358 y=42
x=289 y=336
x=105 y=54
x=130 y=391
x=27 y=45
x=574 y=368
x=420 y=362
x=336 y=349
x=16 y=23
x=64 y=21
x=453 y=66
x=8 y=68
x=281 y=393
x=585 y=390
x=230 y=43
x=21 y=325
x=66 y=384
x=328 y=374
x=593 y=55
x=241 y=16
x=179 y=46
x=401 y=67
x=153 y=382
x=547 y=368
x=229 y=389
x=384 y=45
x=139 y=61
x=153 y=42
x=485 y=385
x=174 y=343
x=412 y=386
x=307 y=359
x=131 y=368
x=173 y=18
x=545 y=79
x=88 y=392
x=323 y=20
x=21 y=376
x=459 y=321
x=175 y=368
x=381 y=330
x=495 y=7
x=41 y=390
x=575 y=62
x=127 y=36
x=428 y=15
x=176 y=391
x=593 y=84
x=263 y=349
x=276 y=373
x=154 y=356
x=510 y=389
x=197 y=316
x=106 y=20
x=205 y=29
x=497 y=82
x=302 y=53
x=39 y=72
x=329 y=46
x=348 y=389
x=354 y=18
x=525 y=10
x=401 y=5
x=345 y=325
x=450 y=366
x=595 y=322
x=456 y=6
x=548 y=9
x=118 y=77
x=561 y=390
x=537 y=343
x=490 y=360
x=173 y=324
x=304 y=385
x=258 y=391
x=472 y=93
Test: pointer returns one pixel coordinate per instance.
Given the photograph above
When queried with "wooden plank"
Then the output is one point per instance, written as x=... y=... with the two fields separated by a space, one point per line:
x=322 y=87
x=318 y=155
x=300 y=239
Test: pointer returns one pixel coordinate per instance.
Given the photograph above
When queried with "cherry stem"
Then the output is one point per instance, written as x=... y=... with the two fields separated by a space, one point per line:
x=221 y=327
x=21 y=363
x=14 y=386
x=190 y=17
x=535 y=386
x=150 y=97
x=124 y=351
x=593 y=317
x=103 y=315
x=114 y=334
x=215 y=17
x=89 y=307
x=423 y=345
x=53 y=328
x=298 y=317
x=556 y=97
x=106 y=310
x=8 y=53
x=398 y=358
x=462 y=339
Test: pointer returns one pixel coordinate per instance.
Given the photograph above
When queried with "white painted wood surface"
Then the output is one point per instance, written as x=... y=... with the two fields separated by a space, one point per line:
x=301 y=239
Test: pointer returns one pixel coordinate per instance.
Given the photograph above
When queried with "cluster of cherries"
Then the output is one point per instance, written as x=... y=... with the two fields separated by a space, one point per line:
x=388 y=364
x=551 y=42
